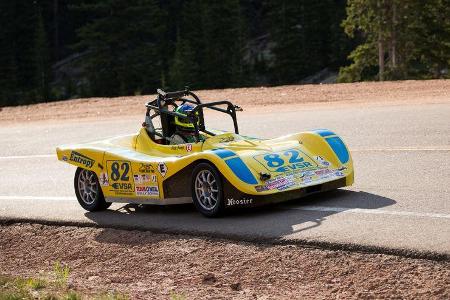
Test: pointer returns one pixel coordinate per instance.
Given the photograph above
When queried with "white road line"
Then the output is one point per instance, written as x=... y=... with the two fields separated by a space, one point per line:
x=28 y=156
x=372 y=211
x=401 y=149
x=35 y=198
x=305 y=208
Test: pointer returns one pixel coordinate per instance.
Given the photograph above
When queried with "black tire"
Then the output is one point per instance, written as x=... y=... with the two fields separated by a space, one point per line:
x=91 y=199
x=213 y=204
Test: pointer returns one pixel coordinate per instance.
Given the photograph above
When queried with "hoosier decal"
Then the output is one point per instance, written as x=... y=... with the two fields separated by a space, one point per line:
x=81 y=159
x=244 y=201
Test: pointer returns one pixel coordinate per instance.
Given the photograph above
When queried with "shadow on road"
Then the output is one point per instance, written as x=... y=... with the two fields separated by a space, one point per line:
x=270 y=222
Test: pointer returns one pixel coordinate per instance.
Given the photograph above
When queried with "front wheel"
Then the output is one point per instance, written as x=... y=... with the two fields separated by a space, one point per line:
x=88 y=191
x=207 y=190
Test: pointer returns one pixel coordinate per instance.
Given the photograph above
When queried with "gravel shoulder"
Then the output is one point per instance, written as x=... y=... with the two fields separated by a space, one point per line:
x=253 y=99
x=145 y=265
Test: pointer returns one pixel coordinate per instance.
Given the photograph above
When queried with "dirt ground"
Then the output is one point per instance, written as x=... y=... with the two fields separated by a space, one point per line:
x=411 y=92
x=159 y=266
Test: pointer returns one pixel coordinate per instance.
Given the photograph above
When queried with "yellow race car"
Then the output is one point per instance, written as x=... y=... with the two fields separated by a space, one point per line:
x=183 y=161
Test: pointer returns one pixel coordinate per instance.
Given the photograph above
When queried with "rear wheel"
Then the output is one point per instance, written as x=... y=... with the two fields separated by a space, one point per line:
x=88 y=191
x=207 y=190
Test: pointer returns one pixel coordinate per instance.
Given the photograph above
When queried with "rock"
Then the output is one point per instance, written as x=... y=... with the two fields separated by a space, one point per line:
x=236 y=286
x=209 y=279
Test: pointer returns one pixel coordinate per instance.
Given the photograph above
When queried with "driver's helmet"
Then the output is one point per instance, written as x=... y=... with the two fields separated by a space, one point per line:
x=184 y=123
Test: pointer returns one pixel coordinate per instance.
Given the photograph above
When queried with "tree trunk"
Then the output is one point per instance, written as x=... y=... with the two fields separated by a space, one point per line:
x=380 y=57
x=56 y=29
x=394 y=36
x=381 y=7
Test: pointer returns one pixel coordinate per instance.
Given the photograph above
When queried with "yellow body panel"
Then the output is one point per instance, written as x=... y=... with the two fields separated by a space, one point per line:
x=135 y=167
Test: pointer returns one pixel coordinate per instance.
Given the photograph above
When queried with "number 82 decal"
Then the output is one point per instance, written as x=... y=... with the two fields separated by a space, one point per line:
x=283 y=161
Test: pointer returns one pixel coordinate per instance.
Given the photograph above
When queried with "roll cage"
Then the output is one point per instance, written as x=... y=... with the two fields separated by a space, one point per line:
x=164 y=107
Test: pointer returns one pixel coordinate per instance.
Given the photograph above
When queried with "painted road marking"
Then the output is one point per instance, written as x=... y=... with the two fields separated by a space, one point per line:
x=399 y=149
x=35 y=198
x=28 y=156
x=372 y=211
x=305 y=208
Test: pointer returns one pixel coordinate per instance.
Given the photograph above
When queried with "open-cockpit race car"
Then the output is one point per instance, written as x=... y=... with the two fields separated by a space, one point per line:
x=183 y=161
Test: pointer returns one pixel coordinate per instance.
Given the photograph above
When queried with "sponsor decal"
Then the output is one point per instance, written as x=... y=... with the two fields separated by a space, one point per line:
x=322 y=161
x=147 y=191
x=287 y=186
x=141 y=178
x=226 y=139
x=64 y=158
x=188 y=147
x=323 y=172
x=307 y=180
x=307 y=174
x=81 y=159
x=122 y=186
x=104 y=181
x=261 y=188
x=339 y=173
x=146 y=168
x=279 y=183
x=162 y=169
x=285 y=161
x=243 y=201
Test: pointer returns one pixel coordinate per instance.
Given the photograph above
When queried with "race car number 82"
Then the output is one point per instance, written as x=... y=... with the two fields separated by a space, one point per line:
x=287 y=160
x=116 y=171
x=275 y=160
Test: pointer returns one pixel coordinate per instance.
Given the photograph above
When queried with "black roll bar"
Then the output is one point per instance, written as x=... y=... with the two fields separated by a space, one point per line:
x=196 y=115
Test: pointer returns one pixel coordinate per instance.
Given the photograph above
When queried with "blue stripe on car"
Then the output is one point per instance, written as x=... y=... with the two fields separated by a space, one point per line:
x=339 y=148
x=324 y=132
x=241 y=170
x=224 y=153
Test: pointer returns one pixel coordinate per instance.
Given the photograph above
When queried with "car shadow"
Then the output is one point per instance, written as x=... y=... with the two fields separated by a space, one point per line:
x=272 y=222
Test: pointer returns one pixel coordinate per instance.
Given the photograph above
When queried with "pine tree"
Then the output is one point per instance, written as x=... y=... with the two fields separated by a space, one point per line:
x=186 y=64
x=42 y=66
x=183 y=69
x=222 y=64
x=301 y=32
x=8 y=66
x=124 y=44
x=402 y=39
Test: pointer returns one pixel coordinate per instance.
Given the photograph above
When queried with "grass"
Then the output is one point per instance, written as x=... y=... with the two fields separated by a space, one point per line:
x=18 y=288
x=62 y=273
x=175 y=296
x=36 y=284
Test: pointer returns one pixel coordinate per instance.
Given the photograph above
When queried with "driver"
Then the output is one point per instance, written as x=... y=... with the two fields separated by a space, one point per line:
x=185 y=130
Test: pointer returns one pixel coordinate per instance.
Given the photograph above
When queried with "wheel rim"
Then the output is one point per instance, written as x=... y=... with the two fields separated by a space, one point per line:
x=87 y=186
x=206 y=189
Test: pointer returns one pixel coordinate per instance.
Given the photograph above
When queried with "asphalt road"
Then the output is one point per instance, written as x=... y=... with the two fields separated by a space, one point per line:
x=400 y=199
